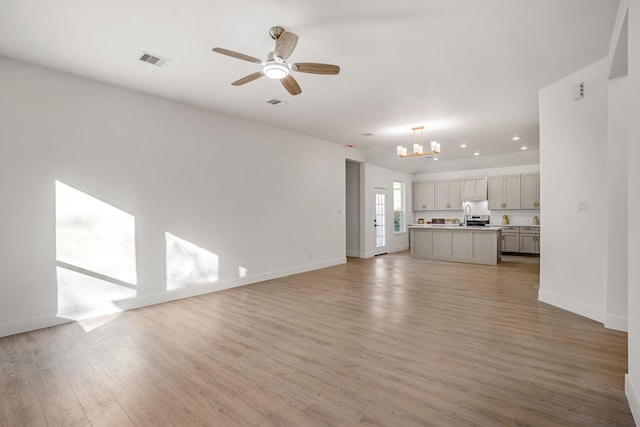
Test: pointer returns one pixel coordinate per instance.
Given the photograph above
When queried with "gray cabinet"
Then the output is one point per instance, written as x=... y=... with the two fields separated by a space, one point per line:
x=530 y=191
x=529 y=240
x=503 y=192
x=456 y=244
x=447 y=195
x=511 y=239
x=423 y=196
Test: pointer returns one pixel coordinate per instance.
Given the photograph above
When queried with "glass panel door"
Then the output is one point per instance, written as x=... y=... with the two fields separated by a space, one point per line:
x=380 y=222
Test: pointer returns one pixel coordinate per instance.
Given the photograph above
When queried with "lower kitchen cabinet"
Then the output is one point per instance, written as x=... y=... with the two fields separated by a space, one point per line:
x=511 y=242
x=529 y=240
x=525 y=240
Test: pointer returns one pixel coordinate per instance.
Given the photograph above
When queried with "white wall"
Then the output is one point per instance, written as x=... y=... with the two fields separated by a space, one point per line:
x=616 y=217
x=633 y=160
x=376 y=177
x=573 y=137
x=268 y=200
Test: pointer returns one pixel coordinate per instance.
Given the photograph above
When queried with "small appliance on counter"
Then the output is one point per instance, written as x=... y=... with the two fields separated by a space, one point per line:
x=477 y=220
x=536 y=221
x=505 y=219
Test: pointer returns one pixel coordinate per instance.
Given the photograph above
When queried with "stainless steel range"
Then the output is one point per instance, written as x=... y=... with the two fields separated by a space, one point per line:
x=477 y=220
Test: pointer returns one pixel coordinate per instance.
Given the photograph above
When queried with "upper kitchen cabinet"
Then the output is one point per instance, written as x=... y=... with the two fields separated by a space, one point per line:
x=504 y=192
x=447 y=195
x=530 y=191
x=474 y=189
x=423 y=196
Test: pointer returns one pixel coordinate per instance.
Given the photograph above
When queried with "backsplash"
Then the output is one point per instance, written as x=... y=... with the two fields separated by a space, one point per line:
x=516 y=217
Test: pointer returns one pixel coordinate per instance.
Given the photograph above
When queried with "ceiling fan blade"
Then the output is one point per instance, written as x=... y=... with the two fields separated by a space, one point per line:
x=247 y=79
x=237 y=55
x=291 y=85
x=285 y=45
x=314 y=68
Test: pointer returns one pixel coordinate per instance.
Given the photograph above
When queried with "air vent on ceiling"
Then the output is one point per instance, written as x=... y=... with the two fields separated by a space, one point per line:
x=153 y=59
x=275 y=101
x=366 y=134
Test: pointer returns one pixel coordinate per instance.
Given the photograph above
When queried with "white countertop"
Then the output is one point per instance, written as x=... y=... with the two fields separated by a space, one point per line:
x=494 y=226
x=456 y=227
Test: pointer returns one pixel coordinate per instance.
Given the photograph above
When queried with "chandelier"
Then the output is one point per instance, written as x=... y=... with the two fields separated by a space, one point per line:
x=418 y=149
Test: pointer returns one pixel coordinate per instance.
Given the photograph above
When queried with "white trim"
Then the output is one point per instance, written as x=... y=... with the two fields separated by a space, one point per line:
x=572 y=305
x=369 y=254
x=399 y=248
x=633 y=398
x=31 y=324
x=617 y=323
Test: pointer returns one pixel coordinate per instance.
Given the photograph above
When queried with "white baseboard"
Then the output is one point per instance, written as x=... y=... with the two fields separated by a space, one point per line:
x=617 y=323
x=31 y=324
x=399 y=248
x=389 y=250
x=633 y=398
x=572 y=305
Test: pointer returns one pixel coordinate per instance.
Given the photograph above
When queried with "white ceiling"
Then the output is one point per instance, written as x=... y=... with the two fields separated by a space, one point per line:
x=468 y=70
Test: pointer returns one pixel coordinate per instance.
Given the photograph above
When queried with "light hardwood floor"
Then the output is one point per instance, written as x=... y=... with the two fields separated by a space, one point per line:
x=388 y=341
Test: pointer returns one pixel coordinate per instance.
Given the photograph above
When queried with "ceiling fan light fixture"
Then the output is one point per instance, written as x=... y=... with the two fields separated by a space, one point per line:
x=275 y=70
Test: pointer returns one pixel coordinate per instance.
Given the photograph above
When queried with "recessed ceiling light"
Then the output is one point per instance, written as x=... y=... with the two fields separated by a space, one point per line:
x=366 y=134
x=516 y=138
x=476 y=154
x=463 y=145
x=435 y=158
x=523 y=148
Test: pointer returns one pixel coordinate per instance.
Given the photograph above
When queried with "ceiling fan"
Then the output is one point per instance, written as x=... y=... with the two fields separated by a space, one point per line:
x=276 y=65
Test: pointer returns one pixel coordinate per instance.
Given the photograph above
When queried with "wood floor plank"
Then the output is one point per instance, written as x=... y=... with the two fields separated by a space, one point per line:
x=59 y=402
x=387 y=341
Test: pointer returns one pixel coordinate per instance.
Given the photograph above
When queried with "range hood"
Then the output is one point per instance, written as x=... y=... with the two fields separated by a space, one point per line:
x=474 y=189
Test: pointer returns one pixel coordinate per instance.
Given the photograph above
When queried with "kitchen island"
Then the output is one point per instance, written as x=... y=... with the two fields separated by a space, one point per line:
x=476 y=245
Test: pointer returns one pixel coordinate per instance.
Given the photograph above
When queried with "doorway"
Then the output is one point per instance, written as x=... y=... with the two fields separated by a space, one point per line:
x=352 y=209
x=380 y=221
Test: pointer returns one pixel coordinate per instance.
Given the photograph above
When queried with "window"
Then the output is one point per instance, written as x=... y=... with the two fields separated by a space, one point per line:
x=399 y=225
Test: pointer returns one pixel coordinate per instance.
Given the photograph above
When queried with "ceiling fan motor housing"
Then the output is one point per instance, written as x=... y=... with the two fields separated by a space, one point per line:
x=276 y=32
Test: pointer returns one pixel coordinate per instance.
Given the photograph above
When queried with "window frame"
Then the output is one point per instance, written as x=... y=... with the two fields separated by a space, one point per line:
x=403 y=207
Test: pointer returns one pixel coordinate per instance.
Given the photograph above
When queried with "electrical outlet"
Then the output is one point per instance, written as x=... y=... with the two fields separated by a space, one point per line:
x=583 y=206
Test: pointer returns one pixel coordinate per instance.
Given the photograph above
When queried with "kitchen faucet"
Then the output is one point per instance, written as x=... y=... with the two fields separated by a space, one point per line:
x=465 y=213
